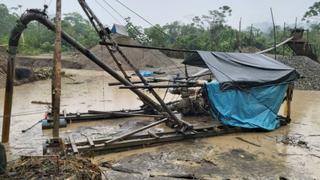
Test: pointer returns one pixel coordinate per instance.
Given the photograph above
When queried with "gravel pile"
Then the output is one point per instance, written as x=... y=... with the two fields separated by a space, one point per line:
x=308 y=69
x=141 y=58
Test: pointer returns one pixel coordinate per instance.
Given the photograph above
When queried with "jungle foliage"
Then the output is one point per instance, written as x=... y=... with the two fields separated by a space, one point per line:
x=205 y=32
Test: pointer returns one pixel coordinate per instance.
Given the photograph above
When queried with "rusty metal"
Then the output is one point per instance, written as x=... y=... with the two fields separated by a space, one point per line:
x=56 y=80
x=300 y=46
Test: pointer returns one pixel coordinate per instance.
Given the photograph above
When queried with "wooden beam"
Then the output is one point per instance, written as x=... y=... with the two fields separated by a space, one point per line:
x=56 y=81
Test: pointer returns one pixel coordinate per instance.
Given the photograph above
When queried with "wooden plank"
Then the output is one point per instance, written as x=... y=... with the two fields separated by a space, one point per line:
x=153 y=134
x=90 y=141
x=73 y=145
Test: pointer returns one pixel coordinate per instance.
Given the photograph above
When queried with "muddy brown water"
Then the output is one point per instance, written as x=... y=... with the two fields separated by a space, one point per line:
x=209 y=158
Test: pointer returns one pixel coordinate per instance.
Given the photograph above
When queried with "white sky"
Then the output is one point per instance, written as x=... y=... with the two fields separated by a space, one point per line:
x=255 y=12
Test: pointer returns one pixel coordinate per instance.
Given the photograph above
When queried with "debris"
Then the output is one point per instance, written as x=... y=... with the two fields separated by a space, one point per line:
x=209 y=161
x=75 y=82
x=283 y=178
x=179 y=176
x=254 y=144
x=40 y=102
x=25 y=130
x=314 y=155
x=293 y=141
x=314 y=135
x=54 y=167
x=118 y=168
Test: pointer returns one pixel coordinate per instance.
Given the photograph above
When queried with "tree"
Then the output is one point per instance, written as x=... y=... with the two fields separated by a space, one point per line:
x=7 y=21
x=136 y=32
x=313 y=12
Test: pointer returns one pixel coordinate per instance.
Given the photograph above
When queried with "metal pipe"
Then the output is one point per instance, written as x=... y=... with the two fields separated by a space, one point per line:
x=139 y=82
x=149 y=47
x=136 y=131
x=160 y=86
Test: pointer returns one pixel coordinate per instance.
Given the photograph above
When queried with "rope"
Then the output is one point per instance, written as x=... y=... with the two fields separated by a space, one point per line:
x=113 y=9
x=116 y=19
x=139 y=33
x=144 y=19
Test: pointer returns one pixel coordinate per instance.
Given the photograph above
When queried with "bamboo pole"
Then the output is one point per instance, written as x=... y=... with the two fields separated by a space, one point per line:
x=284 y=36
x=56 y=81
x=239 y=35
x=274 y=35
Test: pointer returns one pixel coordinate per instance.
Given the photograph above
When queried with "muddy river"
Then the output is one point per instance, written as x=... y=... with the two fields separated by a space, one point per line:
x=290 y=152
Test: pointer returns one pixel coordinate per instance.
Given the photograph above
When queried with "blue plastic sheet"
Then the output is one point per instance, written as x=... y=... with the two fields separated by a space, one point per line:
x=146 y=73
x=251 y=108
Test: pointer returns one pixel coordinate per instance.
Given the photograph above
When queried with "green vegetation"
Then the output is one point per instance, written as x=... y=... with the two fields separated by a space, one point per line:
x=37 y=39
x=206 y=32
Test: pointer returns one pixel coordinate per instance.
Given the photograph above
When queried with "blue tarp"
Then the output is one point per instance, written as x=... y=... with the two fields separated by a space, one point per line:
x=250 y=108
x=146 y=73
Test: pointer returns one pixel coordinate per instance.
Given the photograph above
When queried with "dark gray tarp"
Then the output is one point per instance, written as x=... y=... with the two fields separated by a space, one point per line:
x=243 y=70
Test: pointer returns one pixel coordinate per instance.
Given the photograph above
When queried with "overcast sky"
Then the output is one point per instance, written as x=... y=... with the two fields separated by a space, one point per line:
x=255 y=12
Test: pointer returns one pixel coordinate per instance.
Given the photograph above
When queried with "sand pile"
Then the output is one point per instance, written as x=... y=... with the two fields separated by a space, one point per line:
x=308 y=69
x=141 y=58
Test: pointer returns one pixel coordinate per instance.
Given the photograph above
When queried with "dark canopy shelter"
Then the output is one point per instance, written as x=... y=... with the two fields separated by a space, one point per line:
x=243 y=70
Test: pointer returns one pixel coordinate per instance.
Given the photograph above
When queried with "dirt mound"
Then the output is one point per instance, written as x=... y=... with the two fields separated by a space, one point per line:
x=141 y=58
x=308 y=69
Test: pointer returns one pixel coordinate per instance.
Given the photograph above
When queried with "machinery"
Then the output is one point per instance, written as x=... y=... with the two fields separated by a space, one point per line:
x=194 y=96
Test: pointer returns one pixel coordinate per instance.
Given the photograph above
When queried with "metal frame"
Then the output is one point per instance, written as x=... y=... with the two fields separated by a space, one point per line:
x=181 y=129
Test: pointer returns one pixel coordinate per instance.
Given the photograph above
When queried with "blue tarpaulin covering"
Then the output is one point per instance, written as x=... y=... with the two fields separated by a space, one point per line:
x=256 y=107
x=146 y=73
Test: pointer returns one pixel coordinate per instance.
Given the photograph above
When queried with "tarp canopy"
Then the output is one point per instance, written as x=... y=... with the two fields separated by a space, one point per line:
x=252 y=108
x=243 y=70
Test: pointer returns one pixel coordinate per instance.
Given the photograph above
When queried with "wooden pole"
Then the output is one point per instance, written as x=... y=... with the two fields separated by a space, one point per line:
x=284 y=37
x=251 y=35
x=56 y=81
x=239 y=35
x=274 y=35
x=8 y=96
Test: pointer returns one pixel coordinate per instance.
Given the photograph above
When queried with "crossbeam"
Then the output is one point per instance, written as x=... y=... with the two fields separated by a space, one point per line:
x=161 y=86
